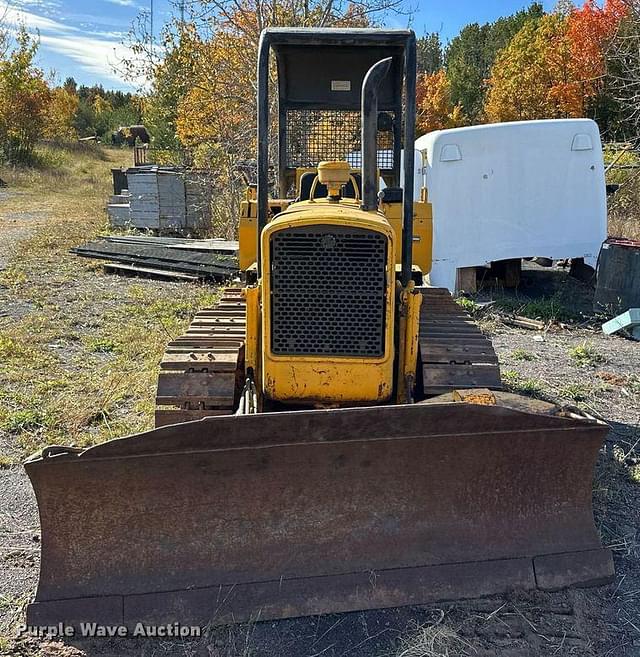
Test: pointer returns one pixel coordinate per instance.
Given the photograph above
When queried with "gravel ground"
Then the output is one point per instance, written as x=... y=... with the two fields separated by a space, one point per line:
x=597 y=622
x=590 y=622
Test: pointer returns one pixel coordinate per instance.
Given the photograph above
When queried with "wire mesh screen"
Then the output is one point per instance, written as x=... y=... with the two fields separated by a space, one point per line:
x=317 y=135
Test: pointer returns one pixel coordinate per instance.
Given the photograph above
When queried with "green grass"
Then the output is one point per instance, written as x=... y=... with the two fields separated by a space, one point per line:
x=100 y=345
x=632 y=469
x=552 y=308
x=82 y=366
x=617 y=175
x=634 y=474
x=577 y=392
x=80 y=398
x=515 y=382
x=624 y=205
x=586 y=354
x=468 y=305
x=522 y=354
x=633 y=384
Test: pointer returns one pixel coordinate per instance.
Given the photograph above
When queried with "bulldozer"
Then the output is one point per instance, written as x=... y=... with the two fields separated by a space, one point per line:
x=332 y=435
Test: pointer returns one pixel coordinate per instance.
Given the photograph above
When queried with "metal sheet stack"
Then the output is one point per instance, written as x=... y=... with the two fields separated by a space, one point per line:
x=183 y=259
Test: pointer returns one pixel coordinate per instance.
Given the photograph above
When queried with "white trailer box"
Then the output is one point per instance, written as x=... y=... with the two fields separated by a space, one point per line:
x=514 y=190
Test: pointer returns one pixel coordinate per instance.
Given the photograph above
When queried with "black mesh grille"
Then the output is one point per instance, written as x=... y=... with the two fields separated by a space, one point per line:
x=317 y=135
x=328 y=291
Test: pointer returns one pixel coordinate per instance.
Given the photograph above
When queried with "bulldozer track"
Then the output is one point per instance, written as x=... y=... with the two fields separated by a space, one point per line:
x=201 y=370
x=454 y=352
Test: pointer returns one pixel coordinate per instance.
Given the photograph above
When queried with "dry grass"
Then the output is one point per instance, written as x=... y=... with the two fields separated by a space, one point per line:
x=79 y=366
x=624 y=206
x=433 y=640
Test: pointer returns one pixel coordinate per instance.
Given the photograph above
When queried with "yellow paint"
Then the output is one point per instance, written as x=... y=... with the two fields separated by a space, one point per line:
x=327 y=379
x=252 y=339
x=422 y=232
x=334 y=175
x=411 y=300
x=247 y=231
x=336 y=380
x=300 y=171
x=248 y=226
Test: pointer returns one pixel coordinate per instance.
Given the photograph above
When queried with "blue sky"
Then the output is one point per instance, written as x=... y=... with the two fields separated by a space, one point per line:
x=83 y=38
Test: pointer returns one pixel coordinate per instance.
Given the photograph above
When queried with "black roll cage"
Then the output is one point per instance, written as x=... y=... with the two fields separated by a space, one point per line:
x=401 y=46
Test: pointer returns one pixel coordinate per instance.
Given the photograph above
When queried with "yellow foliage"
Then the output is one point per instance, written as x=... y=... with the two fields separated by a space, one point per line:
x=219 y=108
x=553 y=67
x=529 y=78
x=434 y=109
x=216 y=114
x=101 y=105
x=61 y=111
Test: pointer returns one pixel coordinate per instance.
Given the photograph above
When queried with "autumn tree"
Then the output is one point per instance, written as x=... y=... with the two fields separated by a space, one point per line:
x=434 y=107
x=204 y=89
x=554 y=67
x=171 y=80
x=591 y=30
x=470 y=56
x=623 y=57
x=60 y=115
x=24 y=100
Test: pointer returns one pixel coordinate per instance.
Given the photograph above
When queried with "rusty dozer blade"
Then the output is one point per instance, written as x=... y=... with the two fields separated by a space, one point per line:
x=307 y=512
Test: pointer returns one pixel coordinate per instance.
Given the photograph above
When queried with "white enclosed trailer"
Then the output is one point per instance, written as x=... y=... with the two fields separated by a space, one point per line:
x=514 y=190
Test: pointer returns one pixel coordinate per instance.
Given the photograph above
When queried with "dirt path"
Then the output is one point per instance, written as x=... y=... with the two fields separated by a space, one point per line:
x=89 y=322
x=19 y=527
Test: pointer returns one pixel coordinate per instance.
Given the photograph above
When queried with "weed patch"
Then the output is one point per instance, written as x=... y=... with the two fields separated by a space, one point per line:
x=100 y=345
x=516 y=383
x=586 y=354
x=545 y=309
x=522 y=354
x=468 y=305
x=576 y=391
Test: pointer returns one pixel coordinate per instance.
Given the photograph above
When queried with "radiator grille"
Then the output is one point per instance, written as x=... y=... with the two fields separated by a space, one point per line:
x=328 y=291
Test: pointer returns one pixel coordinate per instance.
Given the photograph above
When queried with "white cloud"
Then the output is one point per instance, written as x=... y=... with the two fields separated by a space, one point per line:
x=94 y=52
x=123 y=3
x=16 y=17
x=97 y=56
x=46 y=6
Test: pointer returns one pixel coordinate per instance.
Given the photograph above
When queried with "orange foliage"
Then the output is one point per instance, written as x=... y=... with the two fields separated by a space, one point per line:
x=589 y=30
x=434 y=109
x=552 y=68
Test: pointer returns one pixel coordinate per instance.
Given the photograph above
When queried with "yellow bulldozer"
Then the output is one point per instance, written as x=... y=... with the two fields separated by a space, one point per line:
x=332 y=435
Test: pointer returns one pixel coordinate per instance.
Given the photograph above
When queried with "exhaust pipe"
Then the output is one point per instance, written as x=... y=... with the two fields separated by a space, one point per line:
x=369 y=137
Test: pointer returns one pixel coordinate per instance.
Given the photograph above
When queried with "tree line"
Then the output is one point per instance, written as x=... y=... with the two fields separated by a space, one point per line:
x=570 y=62
x=533 y=65
x=34 y=108
x=201 y=96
